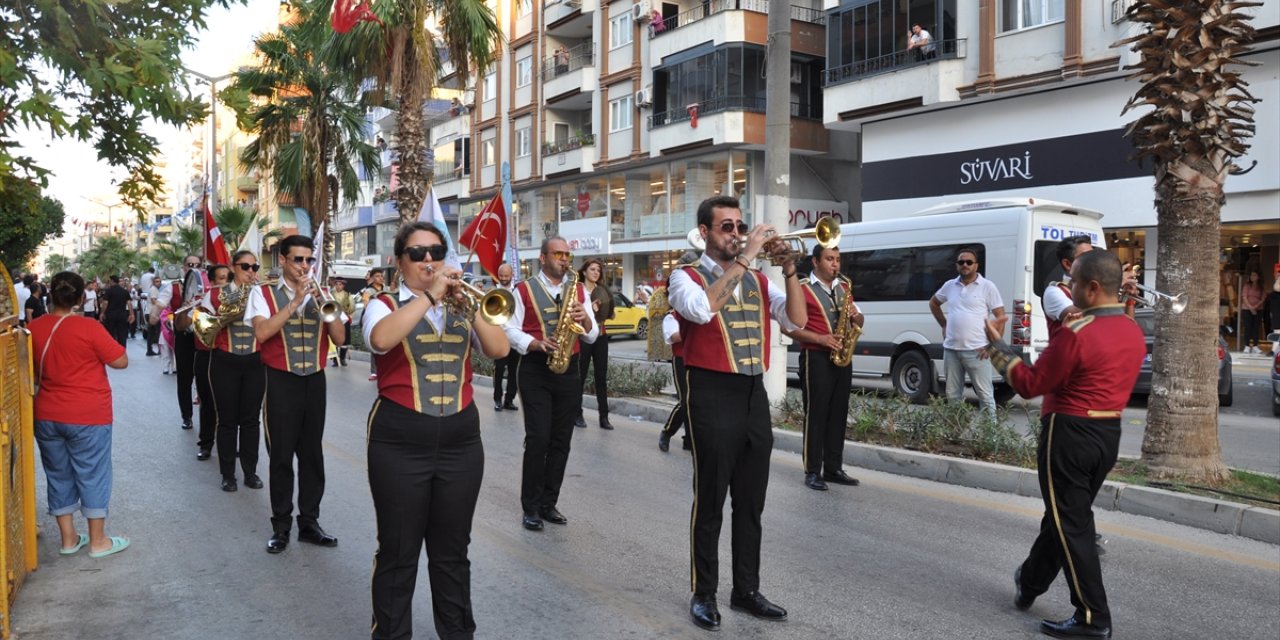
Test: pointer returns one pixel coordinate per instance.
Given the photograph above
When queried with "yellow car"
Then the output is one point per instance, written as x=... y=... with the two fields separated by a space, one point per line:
x=628 y=319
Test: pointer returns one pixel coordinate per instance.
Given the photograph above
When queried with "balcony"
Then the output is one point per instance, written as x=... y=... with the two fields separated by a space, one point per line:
x=896 y=61
x=735 y=120
x=569 y=75
x=661 y=26
x=569 y=18
x=895 y=81
x=576 y=142
x=722 y=21
x=577 y=153
x=247 y=184
x=712 y=106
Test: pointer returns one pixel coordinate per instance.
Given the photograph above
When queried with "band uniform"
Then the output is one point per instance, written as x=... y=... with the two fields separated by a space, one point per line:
x=238 y=381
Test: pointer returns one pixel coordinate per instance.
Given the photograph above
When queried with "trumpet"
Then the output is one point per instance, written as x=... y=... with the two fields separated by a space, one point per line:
x=1174 y=304
x=826 y=233
x=495 y=307
x=329 y=309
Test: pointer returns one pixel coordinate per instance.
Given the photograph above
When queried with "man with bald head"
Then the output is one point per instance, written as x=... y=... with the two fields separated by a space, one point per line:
x=506 y=367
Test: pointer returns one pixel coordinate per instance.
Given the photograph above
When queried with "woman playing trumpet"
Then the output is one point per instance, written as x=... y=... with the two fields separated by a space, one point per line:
x=425 y=455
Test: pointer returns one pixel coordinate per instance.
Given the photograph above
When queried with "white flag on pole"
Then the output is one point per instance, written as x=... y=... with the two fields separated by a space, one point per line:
x=433 y=214
x=252 y=240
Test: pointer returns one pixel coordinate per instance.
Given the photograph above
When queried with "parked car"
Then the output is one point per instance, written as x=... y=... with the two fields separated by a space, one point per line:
x=1147 y=320
x=629 y=318
x=1275 y=383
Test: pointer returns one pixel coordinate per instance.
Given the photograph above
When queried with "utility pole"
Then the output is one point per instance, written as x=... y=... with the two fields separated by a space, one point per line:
x=213 y=135
x=777 y=164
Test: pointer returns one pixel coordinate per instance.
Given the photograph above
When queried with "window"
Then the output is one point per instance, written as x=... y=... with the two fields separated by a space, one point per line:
x=487 y=155
x=1021 y=14
x=524 y=71
x=620 y=112
x=524 y=7
x=490 y=86
x=620 y=30
x=522 y=142
x=903 y=273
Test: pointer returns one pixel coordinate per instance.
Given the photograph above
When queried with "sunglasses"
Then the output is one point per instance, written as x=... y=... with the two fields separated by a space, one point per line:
x=965 y=263
x=245 y=266
x=302 y=259
x=419 y=253
x=728 y=226
x=193 y=265
x=562 y=255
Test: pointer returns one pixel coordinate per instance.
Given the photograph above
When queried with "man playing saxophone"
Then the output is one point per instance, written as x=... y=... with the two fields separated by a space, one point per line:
x=825 y=371
x=550 y=387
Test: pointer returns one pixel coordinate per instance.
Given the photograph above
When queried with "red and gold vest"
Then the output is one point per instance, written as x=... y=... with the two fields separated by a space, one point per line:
x=821 y=310
x=736 y=338
x=428 y=372
x=236 y=338
x=302 y=346
x=541 y=311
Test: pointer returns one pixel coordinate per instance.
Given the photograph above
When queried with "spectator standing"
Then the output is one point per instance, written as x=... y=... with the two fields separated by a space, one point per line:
x=73 y=417
x=597 y=352
x=1273 y=306
x=34 y=306
x=23 y=288
x=509 y=365
x=116 y=312
x=375 y=284
x=1251 y=300
x=969 y=299
x=90 y=306
x=921 y=42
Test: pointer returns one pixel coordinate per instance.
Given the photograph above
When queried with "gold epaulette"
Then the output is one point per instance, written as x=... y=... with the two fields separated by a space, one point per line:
x=1076 y=325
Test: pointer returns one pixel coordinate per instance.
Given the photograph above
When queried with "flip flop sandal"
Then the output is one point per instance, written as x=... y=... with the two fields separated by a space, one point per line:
x=118 y=544
x=70 y=551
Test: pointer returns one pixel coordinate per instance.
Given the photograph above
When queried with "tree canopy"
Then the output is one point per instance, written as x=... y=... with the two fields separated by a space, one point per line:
x=27 y=218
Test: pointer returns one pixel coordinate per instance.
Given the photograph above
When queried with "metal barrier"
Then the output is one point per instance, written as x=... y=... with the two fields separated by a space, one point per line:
x=17 y=454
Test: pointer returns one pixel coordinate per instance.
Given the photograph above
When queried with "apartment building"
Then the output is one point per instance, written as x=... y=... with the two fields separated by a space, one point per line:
x=1024 y=98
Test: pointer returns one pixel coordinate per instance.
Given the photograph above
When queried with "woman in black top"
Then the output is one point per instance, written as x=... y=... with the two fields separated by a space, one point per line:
x=35 y=304
x=591 y=275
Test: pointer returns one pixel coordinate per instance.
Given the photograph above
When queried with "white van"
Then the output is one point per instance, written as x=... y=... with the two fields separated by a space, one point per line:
x=897 y=265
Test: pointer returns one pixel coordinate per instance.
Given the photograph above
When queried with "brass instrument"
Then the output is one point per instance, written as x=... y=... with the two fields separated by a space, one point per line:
x=231 y=308
x=826 y=233
x=566 y=329
x=495 y=307
x=1158 y=300
x=846 y=331
x=329 y=309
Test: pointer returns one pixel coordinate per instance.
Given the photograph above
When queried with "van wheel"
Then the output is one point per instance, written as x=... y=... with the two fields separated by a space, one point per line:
x=1003 y=393
x=913 y=376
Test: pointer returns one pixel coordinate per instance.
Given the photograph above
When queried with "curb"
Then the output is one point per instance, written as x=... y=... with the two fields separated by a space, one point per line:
x=1219 y=516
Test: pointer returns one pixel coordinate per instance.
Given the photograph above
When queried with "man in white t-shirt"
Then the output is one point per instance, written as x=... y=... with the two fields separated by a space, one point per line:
x=91 y=300
x=969 y=298
x=21 y=287
x=921 y=42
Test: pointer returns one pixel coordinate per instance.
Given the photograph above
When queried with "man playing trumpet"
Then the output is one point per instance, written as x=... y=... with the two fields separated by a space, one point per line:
x=287 y=324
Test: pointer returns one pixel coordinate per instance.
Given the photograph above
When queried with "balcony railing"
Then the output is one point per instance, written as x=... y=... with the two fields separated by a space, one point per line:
x=567 y=61
x=446 y=170
x=752 y=104
x=576 y=142
x=942 y=50
x=659 y=26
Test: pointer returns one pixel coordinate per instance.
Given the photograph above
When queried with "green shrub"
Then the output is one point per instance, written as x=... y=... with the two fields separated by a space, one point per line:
x=631 y=379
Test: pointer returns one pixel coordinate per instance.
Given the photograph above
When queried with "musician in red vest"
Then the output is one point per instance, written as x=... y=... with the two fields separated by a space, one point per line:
x=175 y=297
x=824 y=386
x=725 y=307
x=237 y=377
x=294 y=347
x=551 y=401
x=219 y=275
x=1059 y=308
x=425 y=455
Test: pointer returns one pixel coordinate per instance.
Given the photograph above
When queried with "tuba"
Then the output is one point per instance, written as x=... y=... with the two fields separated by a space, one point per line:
x=845 y=330
x=566 y=329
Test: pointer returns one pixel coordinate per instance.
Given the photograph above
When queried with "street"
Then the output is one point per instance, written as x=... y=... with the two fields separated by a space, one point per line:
x=893 y=558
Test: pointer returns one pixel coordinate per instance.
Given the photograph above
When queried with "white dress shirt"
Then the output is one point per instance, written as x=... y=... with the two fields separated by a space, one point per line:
x=670 y=327
x=831 y=291
x=377 y=310
x=515 y=326
x=690 y=300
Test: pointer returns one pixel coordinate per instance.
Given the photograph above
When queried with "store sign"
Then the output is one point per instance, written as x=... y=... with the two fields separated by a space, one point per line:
x=804 y=214
x=586 y=244
x=1089 y=157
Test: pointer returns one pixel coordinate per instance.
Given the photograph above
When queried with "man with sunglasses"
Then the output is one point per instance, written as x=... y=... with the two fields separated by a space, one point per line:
x=725 y=308
x=294 y=347
x=551 y=400
x=969 y=298
x=184 y=341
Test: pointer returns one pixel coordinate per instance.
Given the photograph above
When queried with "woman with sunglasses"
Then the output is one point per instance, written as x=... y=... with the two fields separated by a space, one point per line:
x=590 y=275
x=236 y=376
x=218 y=275
x=425 y=456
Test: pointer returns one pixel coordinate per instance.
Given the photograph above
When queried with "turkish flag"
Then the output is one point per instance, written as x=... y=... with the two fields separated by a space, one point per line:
x=486 y=236
x=215 y=248
x=346 y=13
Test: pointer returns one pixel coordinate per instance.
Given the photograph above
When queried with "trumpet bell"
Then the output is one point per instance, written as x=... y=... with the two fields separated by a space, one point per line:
x=329 y=311
x=696 y=240
x=1177 y=304
x=826 y=233
x=496 y=306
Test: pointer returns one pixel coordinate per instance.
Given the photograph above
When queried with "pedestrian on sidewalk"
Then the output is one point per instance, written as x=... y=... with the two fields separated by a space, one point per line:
x=237 y=378
x=425 y=456
x=1085 y=375
x=73 y=416
x=1251 y=301
x=597 y=353
x=969 y=299
x=505 y=367
x=115 y=311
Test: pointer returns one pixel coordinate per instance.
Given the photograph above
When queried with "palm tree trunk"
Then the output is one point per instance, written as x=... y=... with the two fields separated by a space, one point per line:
x=411 y=143
x=1182 y=417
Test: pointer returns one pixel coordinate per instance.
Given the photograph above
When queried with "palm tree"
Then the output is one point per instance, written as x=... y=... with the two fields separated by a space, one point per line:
x=404 y=58
x=1197 y=124
x=56 y=262
x=183 y=242
x=235 y=222
x=109 y=256
x=307 y=116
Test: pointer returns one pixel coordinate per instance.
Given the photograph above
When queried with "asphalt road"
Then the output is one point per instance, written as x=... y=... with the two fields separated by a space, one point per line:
x=894 y=558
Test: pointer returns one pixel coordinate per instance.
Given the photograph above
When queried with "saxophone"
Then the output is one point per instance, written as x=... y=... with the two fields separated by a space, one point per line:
x=566 y=329
x=845 y=330
x=231 y=308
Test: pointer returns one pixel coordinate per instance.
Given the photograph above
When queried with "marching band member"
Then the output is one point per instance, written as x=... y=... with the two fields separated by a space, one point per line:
x=502 y=400
x=425 y=456
x=725 y=308
x=172 y=298
x=219 y=274
x=550 y=400
x=1085 y=376
x=824 y=385
x=293 y=345
x=238 y=380
x=671 y=337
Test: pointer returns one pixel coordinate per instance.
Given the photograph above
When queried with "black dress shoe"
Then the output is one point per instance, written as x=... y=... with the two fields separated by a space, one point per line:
x=1073 y=628
x=186 y=424
x=315 y=535
x=553 y=515
x=279 y=540
x=840 y=477
x=757 y=605
x=812 y=481
x=605 y=424
x=204 y=454
x=252 y=481
x=1020 y=599
x=705 y=613
x=509 y=406
x=229 y=484
x=580 y=423
x=531 y=522
x=664 y=442
x=497 y=406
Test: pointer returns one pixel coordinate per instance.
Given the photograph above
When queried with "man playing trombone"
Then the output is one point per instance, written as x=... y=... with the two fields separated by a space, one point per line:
x=288 y=325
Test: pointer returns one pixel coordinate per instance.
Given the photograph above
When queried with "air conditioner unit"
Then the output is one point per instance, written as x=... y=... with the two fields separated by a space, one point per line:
x=644 y=98
x=639 y=13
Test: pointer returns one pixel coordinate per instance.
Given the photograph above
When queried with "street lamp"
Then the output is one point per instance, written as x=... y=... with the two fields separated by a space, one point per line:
x=212 y=81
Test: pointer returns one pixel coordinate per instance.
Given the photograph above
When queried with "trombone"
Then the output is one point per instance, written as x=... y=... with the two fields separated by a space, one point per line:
x=1158 y=300
x=826 y=233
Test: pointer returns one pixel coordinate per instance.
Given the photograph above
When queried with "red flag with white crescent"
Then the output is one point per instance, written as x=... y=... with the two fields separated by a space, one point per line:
x=487 y=235
x=215 y=248
x=347 y=13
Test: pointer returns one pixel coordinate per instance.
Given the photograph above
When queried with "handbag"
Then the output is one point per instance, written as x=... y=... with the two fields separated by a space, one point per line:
x=45 y=350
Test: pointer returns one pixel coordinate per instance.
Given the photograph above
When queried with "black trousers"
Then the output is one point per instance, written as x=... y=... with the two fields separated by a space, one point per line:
x=424 y=474
x=1251 y=322
x=508 y=366
x=346 y=343
x=1074 y=457
x=293 y=422
x=550 y=404
x=730 y=427
x=208 y=406
x=153 y=337
x=680 y=412
x=238 y=383
x=184 y=355
x=597 y=354
x=118 y=327
x=824 y=388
